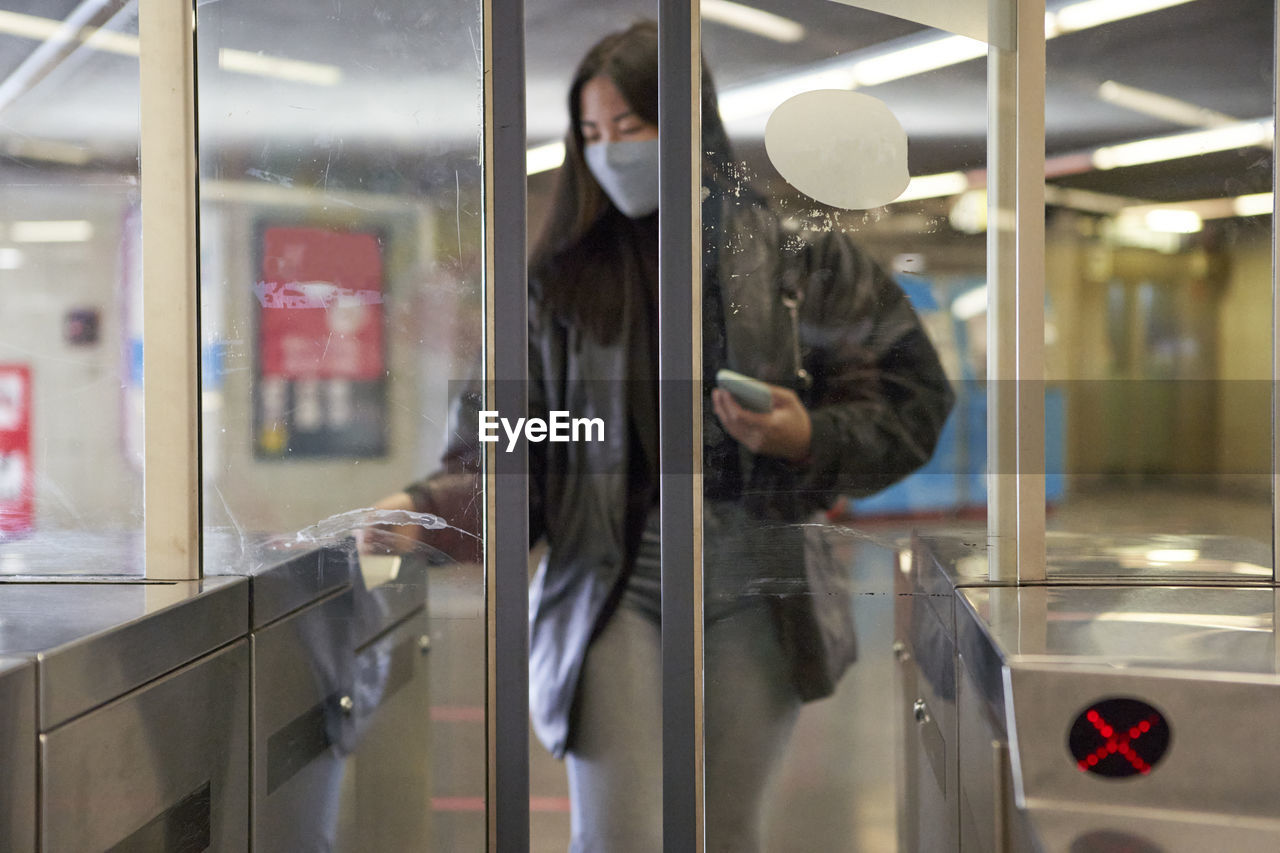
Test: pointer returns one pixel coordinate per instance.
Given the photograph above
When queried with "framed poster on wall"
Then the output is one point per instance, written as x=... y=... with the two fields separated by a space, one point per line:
x=320 y=386
x=17 y=480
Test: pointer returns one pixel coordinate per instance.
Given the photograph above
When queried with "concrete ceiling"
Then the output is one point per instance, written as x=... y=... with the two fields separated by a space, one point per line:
x=410 y=82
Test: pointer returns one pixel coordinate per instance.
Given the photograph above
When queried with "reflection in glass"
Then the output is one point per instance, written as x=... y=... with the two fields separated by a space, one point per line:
x=70 y=282
x=1158 y=334
x=341 y=304
x=851 y=317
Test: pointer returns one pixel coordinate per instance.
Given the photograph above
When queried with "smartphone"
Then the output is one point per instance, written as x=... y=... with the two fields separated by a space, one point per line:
x=751 y=394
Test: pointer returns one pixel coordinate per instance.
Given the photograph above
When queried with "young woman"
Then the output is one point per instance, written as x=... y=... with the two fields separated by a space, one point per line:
x=858 y=401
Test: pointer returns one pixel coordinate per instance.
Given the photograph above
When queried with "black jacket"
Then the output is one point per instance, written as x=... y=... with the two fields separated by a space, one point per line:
x=877 y=398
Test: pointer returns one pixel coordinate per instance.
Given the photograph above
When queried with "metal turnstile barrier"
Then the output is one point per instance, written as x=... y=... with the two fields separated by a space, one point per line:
x=1087 y=713
x=280 y=708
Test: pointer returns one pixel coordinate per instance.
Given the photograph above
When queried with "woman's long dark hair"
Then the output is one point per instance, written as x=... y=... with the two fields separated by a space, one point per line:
x=589 y=254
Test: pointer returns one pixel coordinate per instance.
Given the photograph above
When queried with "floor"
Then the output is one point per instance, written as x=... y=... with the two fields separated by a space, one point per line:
x=836 y=791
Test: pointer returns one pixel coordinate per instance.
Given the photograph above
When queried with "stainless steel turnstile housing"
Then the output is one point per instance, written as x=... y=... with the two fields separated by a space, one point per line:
x=134 y=704
x=283 y=707
x=994 y=681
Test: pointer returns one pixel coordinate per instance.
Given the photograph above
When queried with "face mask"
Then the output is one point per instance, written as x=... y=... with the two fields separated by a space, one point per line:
x=628 y=174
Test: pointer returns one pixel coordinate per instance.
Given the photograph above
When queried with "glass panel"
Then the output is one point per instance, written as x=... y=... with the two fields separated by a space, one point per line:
x=342 y=322
x=70 y=289
x=585 y=654
x=1158 y=327
x=845 y=262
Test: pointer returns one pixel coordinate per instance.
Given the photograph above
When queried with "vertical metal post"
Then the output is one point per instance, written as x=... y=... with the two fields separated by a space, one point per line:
x=1275 y=313
x=679 y=361
x=506 y=373
x=1016 y=272
x=170 y=281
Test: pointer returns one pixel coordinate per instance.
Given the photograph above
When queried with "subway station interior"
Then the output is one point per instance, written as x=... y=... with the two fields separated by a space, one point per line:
x=252 y=275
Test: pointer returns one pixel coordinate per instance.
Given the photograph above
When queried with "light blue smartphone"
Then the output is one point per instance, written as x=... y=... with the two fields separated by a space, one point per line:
x=751 y=394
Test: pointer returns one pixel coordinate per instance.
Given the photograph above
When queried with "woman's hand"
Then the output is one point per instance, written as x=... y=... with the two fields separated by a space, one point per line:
x=784 y=431
x=390 y=538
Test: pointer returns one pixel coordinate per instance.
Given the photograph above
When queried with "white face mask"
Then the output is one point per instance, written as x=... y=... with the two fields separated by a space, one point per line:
x=628 y=174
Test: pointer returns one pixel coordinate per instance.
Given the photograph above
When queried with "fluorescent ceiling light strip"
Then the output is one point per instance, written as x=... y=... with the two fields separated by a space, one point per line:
x=111 y=41
x=294 y=70
x=907 y=57
x=1257 y=204
x=933 y=186
x=909 y=61
x=31 y=27
x=1161 y=106
x=1095 y=13
x=751 y=20
x=49 y=30
x=1173 y=220
x=761 y=98
x=51 y=231
x=544 y=158
x=1241 y=135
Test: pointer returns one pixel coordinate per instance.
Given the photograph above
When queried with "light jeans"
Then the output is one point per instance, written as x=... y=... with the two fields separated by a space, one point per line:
x=615 y=760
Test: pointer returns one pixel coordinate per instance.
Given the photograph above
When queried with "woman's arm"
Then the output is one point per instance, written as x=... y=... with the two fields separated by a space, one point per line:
x=880 y=396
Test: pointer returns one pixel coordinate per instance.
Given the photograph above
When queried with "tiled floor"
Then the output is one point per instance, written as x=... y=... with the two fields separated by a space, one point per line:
x=836 y=791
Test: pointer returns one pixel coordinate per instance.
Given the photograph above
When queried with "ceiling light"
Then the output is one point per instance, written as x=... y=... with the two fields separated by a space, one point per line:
x=29 y=26
x=1258 y=204
x=1174 y=221
x=1093 y=13
x=1161 y=106
x=544 y=158
x=293 y=70
x=110 y=41
x=764 y=97
x=1158 y=149
x=970 y=304
x=751 y=20
x=10 y=258
x=917 y=59
x=57 y=32
x=47 y=150
x=908 y=56
x=51 y=231
x=933 y=186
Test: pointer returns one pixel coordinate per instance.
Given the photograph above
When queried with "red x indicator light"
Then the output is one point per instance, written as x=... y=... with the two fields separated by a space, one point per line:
x=1119 y=738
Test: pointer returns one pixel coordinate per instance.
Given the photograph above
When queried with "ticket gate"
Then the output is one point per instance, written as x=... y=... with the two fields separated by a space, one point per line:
x=281 y=709
x=134 y=703
x=18 y=753
x=1097 y=716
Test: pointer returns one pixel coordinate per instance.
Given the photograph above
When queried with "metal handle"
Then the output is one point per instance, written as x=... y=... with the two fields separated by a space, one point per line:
x=920 y=711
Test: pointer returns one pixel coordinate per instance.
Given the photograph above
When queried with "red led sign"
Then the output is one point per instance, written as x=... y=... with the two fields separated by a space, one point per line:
x=1118 y=738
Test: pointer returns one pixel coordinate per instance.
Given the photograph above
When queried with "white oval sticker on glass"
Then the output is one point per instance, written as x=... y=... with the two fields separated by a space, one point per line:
x=842 y=148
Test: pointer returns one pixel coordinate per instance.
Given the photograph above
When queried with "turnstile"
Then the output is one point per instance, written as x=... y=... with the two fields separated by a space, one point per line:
x=17 y=753
x=340 y=705
x=137 y=699
x=283 y=708
x=1094 y=716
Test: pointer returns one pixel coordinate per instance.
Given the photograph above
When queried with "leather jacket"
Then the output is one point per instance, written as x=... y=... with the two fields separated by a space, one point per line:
x=808 y=311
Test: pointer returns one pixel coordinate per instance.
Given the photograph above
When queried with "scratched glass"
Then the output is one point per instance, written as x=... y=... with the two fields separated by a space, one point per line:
x=341 y=265
x=70 y=310
x=1159 y=329
x=844 y=274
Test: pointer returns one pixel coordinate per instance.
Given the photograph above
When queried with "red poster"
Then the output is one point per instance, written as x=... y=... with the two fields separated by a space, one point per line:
x=320 y=299
x=17 y=480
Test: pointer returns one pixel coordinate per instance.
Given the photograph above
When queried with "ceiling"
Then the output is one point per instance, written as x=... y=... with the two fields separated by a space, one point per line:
x=410 y=85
